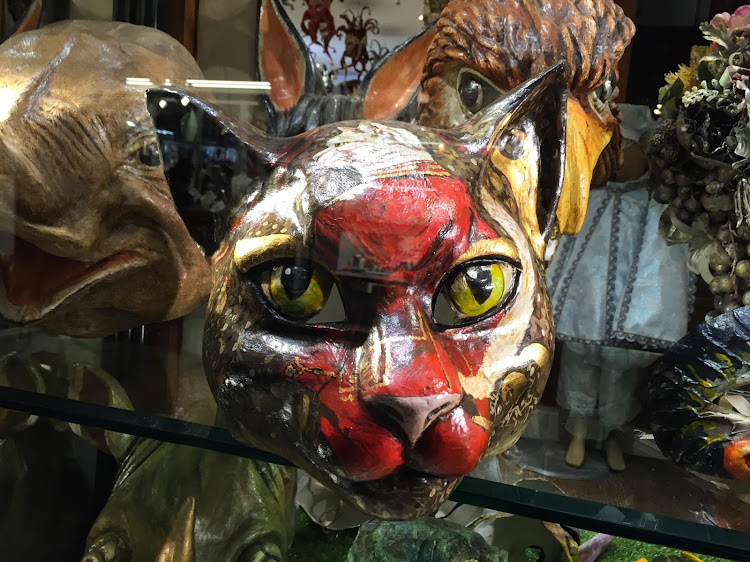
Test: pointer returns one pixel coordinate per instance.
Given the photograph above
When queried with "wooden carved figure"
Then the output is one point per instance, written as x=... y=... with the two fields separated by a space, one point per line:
x=483 y=49
x=379 y=312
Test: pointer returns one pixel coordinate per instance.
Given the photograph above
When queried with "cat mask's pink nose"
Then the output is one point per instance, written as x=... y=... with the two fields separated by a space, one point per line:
x=414 y=414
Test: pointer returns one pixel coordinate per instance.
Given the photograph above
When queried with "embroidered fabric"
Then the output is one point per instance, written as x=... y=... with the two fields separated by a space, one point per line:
x=618 y=294
x=617 y=282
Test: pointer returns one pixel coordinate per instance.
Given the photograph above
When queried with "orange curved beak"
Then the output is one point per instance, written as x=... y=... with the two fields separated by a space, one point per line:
x=585 y=140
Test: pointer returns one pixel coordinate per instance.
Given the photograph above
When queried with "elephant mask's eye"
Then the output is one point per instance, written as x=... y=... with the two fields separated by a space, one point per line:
x=149 y=155
x=300 y=291
x=475 y=91
x=474 y=291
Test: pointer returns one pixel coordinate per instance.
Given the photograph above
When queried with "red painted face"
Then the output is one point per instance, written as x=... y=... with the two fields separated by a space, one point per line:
x=408 y=231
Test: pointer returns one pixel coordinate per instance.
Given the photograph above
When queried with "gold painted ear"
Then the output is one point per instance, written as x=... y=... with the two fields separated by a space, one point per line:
x=586 y=139
x=521 y=139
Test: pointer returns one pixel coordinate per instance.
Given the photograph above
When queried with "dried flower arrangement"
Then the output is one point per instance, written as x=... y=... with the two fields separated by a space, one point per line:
x=700 y=159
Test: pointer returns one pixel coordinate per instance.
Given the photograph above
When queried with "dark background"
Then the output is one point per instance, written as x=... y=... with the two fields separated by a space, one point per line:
x=666 y=30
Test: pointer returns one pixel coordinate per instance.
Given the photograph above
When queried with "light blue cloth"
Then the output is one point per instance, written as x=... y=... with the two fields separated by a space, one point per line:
x=617 y=281
x=613 y=285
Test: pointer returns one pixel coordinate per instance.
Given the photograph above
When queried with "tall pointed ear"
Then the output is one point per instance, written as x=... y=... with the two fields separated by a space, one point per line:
x=521 y=139
x=393 y=83
x=211 y=163
x=283 y=59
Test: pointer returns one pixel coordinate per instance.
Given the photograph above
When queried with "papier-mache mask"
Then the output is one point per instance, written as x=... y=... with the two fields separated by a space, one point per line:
x=90 y=240
x=379 y=312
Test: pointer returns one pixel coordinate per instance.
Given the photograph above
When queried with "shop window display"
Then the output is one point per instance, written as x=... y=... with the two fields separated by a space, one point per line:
x=130 y=204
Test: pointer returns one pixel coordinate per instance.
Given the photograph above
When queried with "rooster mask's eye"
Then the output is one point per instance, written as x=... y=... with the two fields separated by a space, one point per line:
x=475 y=91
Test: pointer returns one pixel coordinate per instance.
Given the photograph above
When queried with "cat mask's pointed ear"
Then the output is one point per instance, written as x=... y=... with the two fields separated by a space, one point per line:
x=392 y=85
x=521 y=139
x=283 y=59
x=211 y=163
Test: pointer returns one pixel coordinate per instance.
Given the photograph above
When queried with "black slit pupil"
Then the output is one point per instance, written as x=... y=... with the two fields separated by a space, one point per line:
x=479 y=280
x=296 y=280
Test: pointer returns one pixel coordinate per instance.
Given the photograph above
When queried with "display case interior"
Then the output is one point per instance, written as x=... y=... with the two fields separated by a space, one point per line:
x=378 y=263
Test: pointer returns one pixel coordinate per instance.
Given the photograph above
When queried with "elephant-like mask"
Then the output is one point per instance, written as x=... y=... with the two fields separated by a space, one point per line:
x=90 y=240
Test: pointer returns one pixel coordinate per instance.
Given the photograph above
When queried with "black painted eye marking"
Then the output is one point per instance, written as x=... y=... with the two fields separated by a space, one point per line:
x=149 y=155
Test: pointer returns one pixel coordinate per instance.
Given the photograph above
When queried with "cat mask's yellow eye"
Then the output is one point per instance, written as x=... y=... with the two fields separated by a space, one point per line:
x=301 y=291
x=473 y=291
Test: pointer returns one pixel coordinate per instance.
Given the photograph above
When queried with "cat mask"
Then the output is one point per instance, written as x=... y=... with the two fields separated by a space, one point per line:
x=379 y=313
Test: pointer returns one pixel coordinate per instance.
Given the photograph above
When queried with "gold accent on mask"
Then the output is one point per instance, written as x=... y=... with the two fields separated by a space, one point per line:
x=496 y=247
x=252 y=251
x=481 y=386
x=537 y=353
x=482 y=422
x=512 y=385
x=303 y=411
x=522 y=175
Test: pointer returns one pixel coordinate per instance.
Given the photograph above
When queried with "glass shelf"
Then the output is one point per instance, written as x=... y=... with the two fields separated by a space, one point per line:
x=651 y=501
